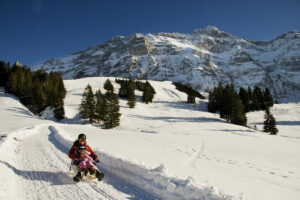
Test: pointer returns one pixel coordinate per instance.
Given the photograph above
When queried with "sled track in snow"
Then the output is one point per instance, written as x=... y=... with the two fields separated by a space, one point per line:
x=138 y=181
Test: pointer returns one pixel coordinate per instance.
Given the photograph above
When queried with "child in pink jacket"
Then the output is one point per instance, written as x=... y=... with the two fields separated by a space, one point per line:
x=85 y=160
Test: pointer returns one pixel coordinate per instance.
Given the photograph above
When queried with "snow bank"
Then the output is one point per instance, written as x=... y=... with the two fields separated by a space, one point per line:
x=153 y=181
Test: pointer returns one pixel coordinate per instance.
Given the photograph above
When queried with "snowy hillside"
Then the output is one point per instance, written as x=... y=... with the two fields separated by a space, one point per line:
x=164 y=150
x=203 y=59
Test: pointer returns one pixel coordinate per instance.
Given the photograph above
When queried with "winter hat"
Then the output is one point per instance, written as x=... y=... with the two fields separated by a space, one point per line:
x=82 y=135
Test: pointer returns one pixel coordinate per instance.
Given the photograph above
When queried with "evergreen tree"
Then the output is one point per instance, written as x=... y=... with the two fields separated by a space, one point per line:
x=12 y=84
x=38 y=99
x=99 y=111
x=250 y=100
x=36 y=90
x=4 y=73
x=269 y=123
x=238 y=116
x=131 y=96
x=87 y=105
x=26 y=87
x=123 y=91
x=59 y=111
x=188 y=90
x=227 y=101
x=108 y=86
x=191 y=96
x=111 y=109
x=148 y=93
x=258 y=97
x=55 y=88
x=243 y=94
x=215 y=99
x=268 y=99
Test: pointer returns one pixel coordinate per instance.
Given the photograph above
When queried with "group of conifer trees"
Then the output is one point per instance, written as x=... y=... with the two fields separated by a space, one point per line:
x=256 y=99
x=101 y=108
x=233 y=106
x=226 y=101
x=105 y=108
x=127 y=91
x=191 y=93
x=128 y=87
x=36 y=90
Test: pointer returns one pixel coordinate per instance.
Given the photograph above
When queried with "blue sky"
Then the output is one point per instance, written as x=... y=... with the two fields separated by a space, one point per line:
x=32 y=31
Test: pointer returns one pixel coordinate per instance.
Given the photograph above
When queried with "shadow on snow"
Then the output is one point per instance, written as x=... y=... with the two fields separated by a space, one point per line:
x=55 y=178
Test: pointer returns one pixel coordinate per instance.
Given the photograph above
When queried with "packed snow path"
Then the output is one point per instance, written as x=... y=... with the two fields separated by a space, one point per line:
x=44 y=171
x=40 y=169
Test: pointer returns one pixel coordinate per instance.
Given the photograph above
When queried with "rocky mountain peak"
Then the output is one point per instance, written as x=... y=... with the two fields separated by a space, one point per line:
x=203 y=59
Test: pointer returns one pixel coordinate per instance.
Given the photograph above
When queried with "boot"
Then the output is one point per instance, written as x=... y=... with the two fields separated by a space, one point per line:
x=92 y=171
x=99 y=175
x=85 y=172
x=77 y=178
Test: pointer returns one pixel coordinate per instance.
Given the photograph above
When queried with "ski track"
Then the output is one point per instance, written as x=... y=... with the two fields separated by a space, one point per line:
x=41 y=170
x=197 y=154
x=44 y=172
x=40 y=160
x=143 y=183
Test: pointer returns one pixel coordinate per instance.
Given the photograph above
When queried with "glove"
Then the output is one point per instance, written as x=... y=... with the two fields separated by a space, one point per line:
x=82 y=156
x=76 y=162
x=96 y=160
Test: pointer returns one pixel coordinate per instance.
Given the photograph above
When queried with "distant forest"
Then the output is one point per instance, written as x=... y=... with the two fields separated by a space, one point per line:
x=36 y=90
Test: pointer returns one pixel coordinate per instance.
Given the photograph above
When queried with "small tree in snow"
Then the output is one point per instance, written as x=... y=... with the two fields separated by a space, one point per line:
x=87 y=106
x=270 y=123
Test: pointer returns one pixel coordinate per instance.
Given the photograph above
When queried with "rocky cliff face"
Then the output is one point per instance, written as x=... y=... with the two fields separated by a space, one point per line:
x=202 y=59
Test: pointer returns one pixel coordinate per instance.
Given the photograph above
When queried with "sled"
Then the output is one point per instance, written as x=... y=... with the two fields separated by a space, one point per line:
x=85 y=175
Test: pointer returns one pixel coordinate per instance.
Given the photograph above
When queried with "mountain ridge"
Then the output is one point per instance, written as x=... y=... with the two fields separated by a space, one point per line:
x=203 y=59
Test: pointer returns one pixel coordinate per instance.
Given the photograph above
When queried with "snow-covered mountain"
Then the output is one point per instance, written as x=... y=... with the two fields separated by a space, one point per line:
x=204 y=58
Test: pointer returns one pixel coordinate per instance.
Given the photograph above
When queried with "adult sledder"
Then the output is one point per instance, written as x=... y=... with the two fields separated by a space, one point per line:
x=82 y=157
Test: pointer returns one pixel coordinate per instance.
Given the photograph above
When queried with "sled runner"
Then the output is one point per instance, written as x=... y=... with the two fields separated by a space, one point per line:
x=79 y=174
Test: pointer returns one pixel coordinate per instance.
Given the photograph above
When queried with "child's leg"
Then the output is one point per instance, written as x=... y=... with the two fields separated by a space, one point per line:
x=82 y=165
x=89 y=164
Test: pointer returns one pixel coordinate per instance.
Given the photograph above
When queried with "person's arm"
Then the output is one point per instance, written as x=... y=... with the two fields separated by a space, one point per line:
x=93 y=154
x=72 y=152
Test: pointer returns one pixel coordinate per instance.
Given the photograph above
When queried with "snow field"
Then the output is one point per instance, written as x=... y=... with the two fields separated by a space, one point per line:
x=163 y=150
x=153 y=181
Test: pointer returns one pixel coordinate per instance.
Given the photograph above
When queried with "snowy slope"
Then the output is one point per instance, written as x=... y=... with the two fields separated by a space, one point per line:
x=164 y=150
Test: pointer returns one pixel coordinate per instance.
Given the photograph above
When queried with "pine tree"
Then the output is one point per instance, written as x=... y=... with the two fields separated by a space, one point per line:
x=39 y=100
x=269 y=123
x=99 y=112
x=215 y=99
x=191 y=96
x=12 y=84
x=59 y=111
x=87 y=105
x=111 y=109
x=108 y=86
x=258 y=97
x=26 y=87
x=268 y=99
x=131 y=96
x=243 y=94
x=238 y=116
x=4 y=73
x=250 y=100
x=148 y=93
x=227 y=101
x=123 y=91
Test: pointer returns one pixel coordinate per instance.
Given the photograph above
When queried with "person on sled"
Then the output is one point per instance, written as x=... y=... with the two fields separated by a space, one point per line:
x=84 y=160
x=77 y=158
